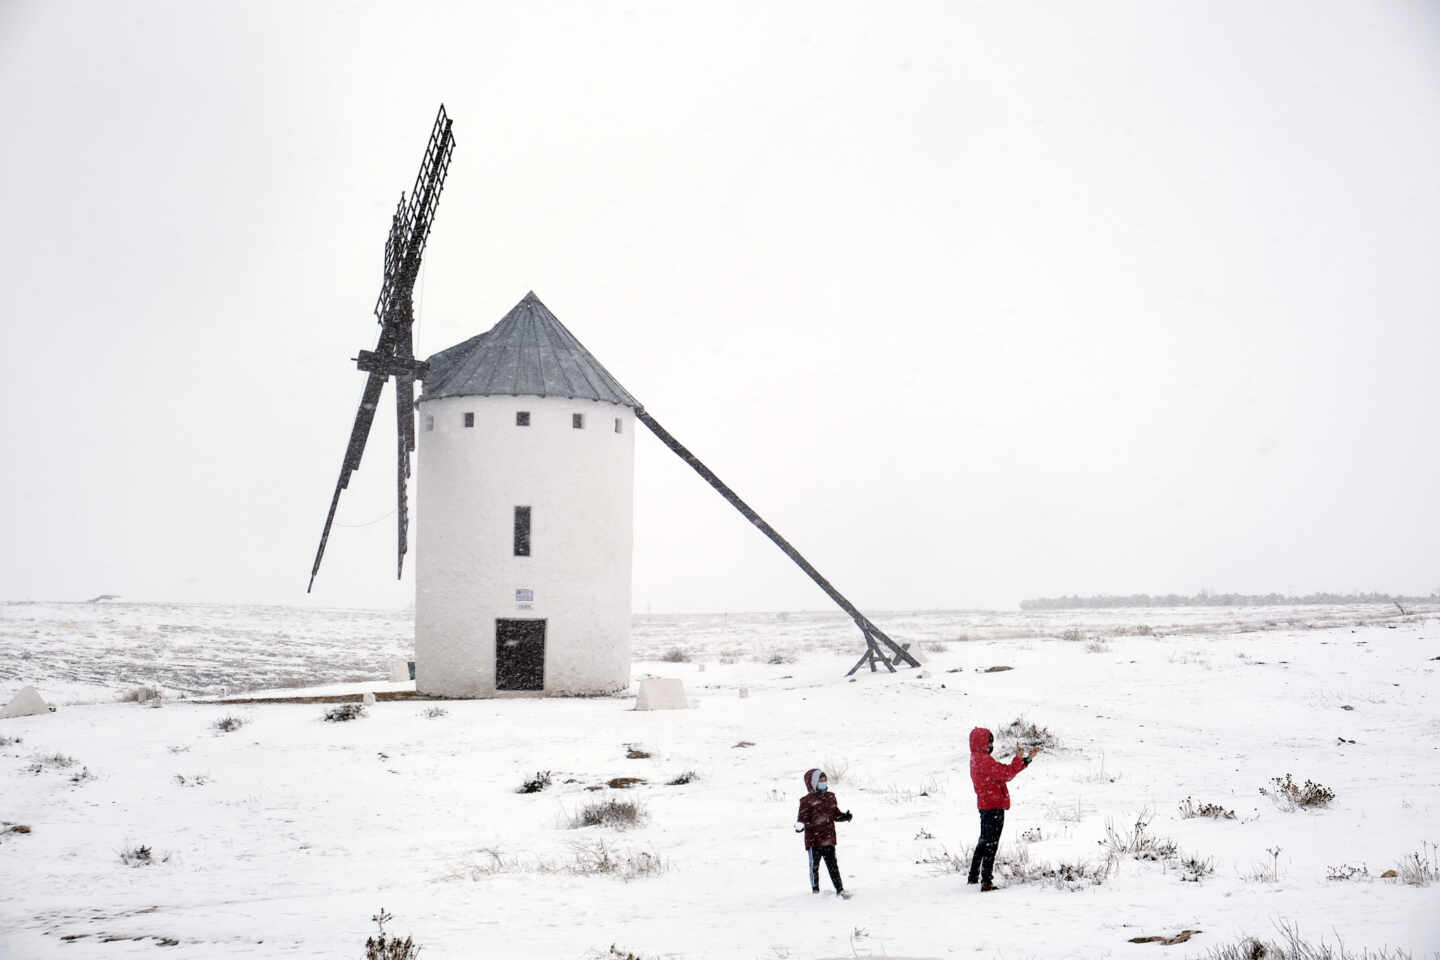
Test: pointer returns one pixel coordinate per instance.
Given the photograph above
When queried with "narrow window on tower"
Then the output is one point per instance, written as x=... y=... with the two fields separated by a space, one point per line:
x=522 y=531
x=617 y=424
x=429 y=423
x=469 y=419
x=577 y=420
x=522 y=418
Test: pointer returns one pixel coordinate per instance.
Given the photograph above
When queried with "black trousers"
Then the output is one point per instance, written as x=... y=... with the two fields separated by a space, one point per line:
x=816 y=854
x=982 y=865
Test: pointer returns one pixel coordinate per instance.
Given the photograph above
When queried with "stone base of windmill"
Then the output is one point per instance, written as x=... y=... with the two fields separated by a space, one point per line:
x=657 y=693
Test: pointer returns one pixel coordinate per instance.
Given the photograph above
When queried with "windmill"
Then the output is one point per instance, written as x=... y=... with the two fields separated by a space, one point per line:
x=394 y=355
x=476 y=390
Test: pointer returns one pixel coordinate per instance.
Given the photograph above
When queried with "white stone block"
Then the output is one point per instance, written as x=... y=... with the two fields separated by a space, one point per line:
x=657 y=693
x=26 y=703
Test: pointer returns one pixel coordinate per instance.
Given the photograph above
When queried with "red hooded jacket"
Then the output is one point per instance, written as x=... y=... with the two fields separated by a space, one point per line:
x=990 y=775
x=818 y=813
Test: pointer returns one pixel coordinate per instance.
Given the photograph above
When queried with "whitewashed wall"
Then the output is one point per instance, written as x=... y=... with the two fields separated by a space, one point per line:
x=579 y=485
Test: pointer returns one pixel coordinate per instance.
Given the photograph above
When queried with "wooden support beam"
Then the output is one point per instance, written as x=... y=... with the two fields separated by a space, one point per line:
x=871 y=632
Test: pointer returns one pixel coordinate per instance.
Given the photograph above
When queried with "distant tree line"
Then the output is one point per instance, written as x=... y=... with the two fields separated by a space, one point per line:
x=1206 y=598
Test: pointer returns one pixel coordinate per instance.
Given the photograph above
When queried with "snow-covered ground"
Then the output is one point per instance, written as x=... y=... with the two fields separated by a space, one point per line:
x=284 y=836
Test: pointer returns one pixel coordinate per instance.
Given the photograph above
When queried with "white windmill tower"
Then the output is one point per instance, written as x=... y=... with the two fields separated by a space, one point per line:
x=526 y=450
x=527 y=453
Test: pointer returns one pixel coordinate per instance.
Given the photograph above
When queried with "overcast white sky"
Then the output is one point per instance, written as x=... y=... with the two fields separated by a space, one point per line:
x=972 y=301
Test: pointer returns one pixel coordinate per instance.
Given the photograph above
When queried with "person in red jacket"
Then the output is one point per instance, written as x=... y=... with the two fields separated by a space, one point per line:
x=819 y=812
x=992 y=797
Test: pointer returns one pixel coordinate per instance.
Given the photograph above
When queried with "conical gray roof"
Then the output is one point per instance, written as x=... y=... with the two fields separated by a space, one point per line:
x=528 y=353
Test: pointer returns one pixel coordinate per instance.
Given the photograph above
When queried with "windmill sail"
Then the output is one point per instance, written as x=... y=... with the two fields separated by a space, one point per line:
x=394 y=354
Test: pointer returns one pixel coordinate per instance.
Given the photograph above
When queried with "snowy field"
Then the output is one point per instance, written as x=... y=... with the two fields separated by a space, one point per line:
x=284 y=836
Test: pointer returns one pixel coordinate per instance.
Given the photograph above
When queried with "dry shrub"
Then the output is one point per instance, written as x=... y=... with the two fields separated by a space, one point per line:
x=435 y=713
x=1138 y=842
x=346 y=711
x=140 y=856
x=1189 y=810
x=229 y=723
x=1291 y=946
x=598 y=858
x=675 y=655
x=1072 y=634
x=620 y=814
x=688 y=776
x=1290 y=796
x=835 y=769
x=1022 y=733
x=1420 y=868
x=1096 y=645
x=535 y=784
x=381 y=947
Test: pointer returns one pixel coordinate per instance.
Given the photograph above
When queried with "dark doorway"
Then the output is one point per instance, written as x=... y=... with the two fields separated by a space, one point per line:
x=519 y=654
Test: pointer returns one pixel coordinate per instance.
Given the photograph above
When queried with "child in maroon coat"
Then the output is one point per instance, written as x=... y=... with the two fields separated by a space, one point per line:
x=992 y=797
x=819 y=812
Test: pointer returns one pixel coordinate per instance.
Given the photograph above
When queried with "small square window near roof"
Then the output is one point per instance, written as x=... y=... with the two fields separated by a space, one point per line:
x=577 y=420
x=469 y=419
x=522 y=418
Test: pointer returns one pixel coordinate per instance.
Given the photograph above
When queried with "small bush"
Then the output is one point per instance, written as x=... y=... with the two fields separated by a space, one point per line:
x=836 y=768
x=345 y=711
x=1422 y=867
x=139 y=856
x=675 y=655
x=52 y=760
x=689 y=776
x=81 y=775
x=1023 y=733
x=229 y=723
x=143 y=694
x=535 y=784
x=633 y=751
x=1194 y=869
x=434 y=713
x=1266 y=873
x=779 y=659
x=620 y=814
x=1292 y=947
x=194 y=780
x=1072 y=635
x=7 y=741
x=380 y=947
x=1189 y=810
x=1138 y=842
x=1347 y=871
x=1289 y=795
x=1096 y=645
x=590 y=859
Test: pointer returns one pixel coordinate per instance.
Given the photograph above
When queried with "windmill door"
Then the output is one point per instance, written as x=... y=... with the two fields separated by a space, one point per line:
x=519 y=654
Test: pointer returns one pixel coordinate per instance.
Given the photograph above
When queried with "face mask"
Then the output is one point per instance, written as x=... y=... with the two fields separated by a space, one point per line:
x=822 y=786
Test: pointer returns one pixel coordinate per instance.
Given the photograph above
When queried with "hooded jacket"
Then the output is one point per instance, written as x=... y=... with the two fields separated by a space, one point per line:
x=818 y=813
x=989 y=775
